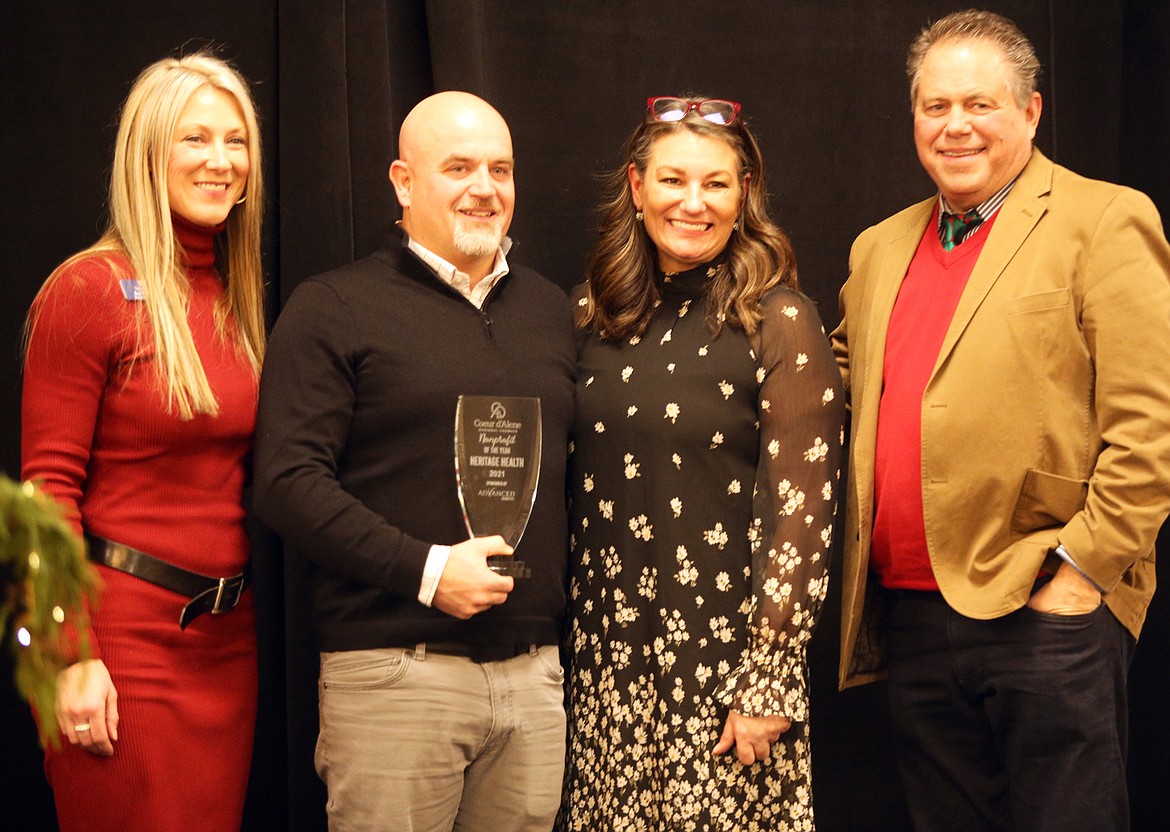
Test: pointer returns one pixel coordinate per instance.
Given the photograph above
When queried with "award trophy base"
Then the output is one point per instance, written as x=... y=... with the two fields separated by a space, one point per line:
x=505 y=565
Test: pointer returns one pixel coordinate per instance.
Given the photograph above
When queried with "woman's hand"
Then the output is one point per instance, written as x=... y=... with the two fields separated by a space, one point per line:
x=752 y=736
x=87 y=706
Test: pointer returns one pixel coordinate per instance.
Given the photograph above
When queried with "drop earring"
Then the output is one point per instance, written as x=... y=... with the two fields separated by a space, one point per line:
x=638 y=216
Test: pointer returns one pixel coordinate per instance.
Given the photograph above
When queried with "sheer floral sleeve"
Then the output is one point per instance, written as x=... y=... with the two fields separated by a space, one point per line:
x=801 y=424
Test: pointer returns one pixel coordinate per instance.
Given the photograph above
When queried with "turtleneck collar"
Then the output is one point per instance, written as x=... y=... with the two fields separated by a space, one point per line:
x=197 y=241
x=691 y=283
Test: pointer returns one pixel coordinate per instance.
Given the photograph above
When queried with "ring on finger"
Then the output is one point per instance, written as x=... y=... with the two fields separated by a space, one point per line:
x=81 y=728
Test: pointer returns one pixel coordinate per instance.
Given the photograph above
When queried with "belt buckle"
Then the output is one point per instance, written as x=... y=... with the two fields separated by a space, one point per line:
x=228 y=587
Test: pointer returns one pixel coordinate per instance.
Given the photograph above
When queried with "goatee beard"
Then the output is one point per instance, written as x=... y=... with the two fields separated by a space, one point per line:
x=477 y=242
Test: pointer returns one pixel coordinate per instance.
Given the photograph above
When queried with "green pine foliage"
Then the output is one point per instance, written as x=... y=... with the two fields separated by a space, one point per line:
x=46 y=586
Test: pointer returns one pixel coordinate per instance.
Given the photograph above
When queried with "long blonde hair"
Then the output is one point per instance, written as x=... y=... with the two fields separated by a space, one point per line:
x=141 y=230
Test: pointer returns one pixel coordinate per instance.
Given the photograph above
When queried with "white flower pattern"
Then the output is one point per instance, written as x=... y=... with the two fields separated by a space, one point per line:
x=641 y=527
x=716 y=536
x=818 y=451
x=717 y=612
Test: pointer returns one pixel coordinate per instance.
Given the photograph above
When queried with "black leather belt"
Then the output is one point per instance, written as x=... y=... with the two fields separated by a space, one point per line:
x=479 y=653
x=207 y=594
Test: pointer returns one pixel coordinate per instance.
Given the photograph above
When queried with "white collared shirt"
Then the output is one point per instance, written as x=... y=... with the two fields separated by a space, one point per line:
x=461 y=281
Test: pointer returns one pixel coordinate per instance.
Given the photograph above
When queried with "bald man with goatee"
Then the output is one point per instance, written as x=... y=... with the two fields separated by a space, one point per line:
x=440 y=686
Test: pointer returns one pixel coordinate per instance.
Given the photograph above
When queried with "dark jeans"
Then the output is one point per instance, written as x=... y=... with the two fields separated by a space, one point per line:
x=1015 y=724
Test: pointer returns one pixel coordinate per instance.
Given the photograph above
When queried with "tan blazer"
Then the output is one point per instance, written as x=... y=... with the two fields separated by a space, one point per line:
x=1047 y=416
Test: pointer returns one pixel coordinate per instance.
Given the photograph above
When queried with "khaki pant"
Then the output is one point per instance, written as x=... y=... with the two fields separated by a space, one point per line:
x=412 y=741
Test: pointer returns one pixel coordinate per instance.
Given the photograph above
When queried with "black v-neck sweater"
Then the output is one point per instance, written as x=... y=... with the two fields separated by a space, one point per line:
x=355 y=451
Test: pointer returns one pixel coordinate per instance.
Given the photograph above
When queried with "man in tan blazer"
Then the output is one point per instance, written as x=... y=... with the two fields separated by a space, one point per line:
x=1005 y=346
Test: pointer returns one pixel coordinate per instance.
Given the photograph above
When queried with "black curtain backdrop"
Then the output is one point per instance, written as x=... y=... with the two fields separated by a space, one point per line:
x=822 y=84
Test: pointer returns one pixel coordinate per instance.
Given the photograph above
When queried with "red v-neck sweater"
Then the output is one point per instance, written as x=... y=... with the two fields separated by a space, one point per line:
x=921 y=316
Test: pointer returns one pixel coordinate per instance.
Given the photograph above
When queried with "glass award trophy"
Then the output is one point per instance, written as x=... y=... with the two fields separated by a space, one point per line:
x=497 y=466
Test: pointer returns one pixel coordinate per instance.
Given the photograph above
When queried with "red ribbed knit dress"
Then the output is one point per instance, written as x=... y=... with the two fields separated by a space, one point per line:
x=97 y=435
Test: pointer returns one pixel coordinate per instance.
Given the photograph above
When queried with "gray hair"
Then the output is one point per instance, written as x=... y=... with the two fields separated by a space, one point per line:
x=974 y=24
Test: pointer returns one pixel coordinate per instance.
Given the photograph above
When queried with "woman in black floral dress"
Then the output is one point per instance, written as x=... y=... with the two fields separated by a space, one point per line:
x=705 y=466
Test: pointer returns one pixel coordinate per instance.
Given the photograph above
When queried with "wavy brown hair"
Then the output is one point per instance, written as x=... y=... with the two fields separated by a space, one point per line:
x=622 y=286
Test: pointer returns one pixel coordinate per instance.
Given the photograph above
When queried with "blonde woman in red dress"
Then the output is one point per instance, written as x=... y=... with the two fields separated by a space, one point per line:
x=138 y=410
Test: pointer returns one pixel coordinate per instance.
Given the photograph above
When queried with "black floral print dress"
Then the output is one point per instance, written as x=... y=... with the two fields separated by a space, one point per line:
x=704 y=477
